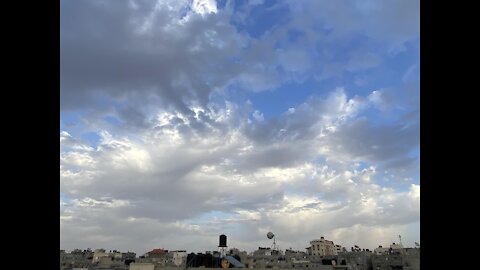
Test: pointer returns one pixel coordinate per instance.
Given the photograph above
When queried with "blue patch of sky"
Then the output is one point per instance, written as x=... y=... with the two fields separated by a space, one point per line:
x=260 y=18
x=92 y=138
x=362 y=165
x=221 y=4
x=71 y=122
x=212 y=216
x=65 y=198
x=294 y=35
x=273 y=103
x=112 y=120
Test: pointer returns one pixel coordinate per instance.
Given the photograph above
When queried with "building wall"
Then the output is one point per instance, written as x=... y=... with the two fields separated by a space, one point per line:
x=381 y=250
x=179 y=257
x=322 y=247
x=358 y=260
x=99 y=253
x=407 y=258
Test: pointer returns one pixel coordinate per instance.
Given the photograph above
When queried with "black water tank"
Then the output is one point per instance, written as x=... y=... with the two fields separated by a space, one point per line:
x=223 y=241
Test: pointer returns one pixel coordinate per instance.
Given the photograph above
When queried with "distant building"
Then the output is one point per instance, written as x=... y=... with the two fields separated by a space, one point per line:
x=356 y=260
x=97 y=254
x=179 y=257
x=322 y=247
x=266 y=251
x=339 y=249
x=405 y=258
x=381 y=250
x=156 y=253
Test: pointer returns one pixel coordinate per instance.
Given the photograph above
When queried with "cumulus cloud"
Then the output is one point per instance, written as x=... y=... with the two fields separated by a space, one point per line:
x=181 y=168
x=180 y=158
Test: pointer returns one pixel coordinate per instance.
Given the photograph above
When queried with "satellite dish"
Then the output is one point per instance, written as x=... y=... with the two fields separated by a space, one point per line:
x=225 y=264
x=270 y=235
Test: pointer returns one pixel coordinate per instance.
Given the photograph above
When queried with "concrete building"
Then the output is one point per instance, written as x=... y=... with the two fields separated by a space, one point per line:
x=75 y=259
x=156 y=253
x=381 y=250
x=265 y=251
x=356 y=260
x=339 y=249
x=179 y=257
x=97 y=254
x=322 y=247
x=405 y=259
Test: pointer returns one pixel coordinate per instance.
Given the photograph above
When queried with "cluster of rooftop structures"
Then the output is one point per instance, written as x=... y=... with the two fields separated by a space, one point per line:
x=322 y=254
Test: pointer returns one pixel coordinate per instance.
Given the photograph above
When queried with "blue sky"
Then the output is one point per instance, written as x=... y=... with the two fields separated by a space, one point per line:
x=189 y=119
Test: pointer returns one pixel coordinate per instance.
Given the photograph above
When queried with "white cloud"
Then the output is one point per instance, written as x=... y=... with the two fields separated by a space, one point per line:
x=175 y=167
x=211 y=161
x=204 y=6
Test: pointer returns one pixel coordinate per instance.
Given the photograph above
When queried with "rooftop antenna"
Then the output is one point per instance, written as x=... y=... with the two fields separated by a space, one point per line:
x=270 y=235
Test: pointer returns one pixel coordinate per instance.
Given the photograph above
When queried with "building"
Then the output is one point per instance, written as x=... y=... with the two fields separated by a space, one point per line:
x=265 y=251
x=97 y=254
x=339 y=249
x=356 y=260
x=179 y=257
x=156 y=253
x=322 y=247
x=75 y=259
x=381 y=250
x=405 y=258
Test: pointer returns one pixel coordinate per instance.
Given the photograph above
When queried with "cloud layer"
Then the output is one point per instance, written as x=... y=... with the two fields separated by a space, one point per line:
x=166 y=149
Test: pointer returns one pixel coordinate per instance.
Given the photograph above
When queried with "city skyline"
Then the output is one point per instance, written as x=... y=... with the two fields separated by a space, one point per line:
x=183 y=120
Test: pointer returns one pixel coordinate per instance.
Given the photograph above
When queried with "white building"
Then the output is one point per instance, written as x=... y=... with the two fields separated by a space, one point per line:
x=99 y=253
x=381 y=250
x=322 y=247
x=385 y=250
x=179 y=257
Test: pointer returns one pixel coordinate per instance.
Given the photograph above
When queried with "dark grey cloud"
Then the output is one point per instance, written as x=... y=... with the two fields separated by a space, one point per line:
x=361 y=140
x=107 y=48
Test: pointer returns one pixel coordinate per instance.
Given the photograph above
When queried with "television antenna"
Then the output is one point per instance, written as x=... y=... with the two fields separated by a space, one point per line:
x=270 y=235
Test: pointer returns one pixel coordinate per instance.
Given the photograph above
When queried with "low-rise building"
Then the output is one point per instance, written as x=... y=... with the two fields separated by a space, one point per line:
x=179 y=257
x=322 y=247
x=406 y=259
x=381 y=250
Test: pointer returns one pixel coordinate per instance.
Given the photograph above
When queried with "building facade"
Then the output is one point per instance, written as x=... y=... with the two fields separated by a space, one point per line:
x=322 y=247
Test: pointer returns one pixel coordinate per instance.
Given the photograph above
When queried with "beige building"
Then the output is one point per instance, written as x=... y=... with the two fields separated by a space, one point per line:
x=99 y=253
x=322 y=247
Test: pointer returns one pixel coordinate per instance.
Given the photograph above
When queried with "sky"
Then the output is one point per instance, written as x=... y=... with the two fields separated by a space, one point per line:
x=181 y=120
